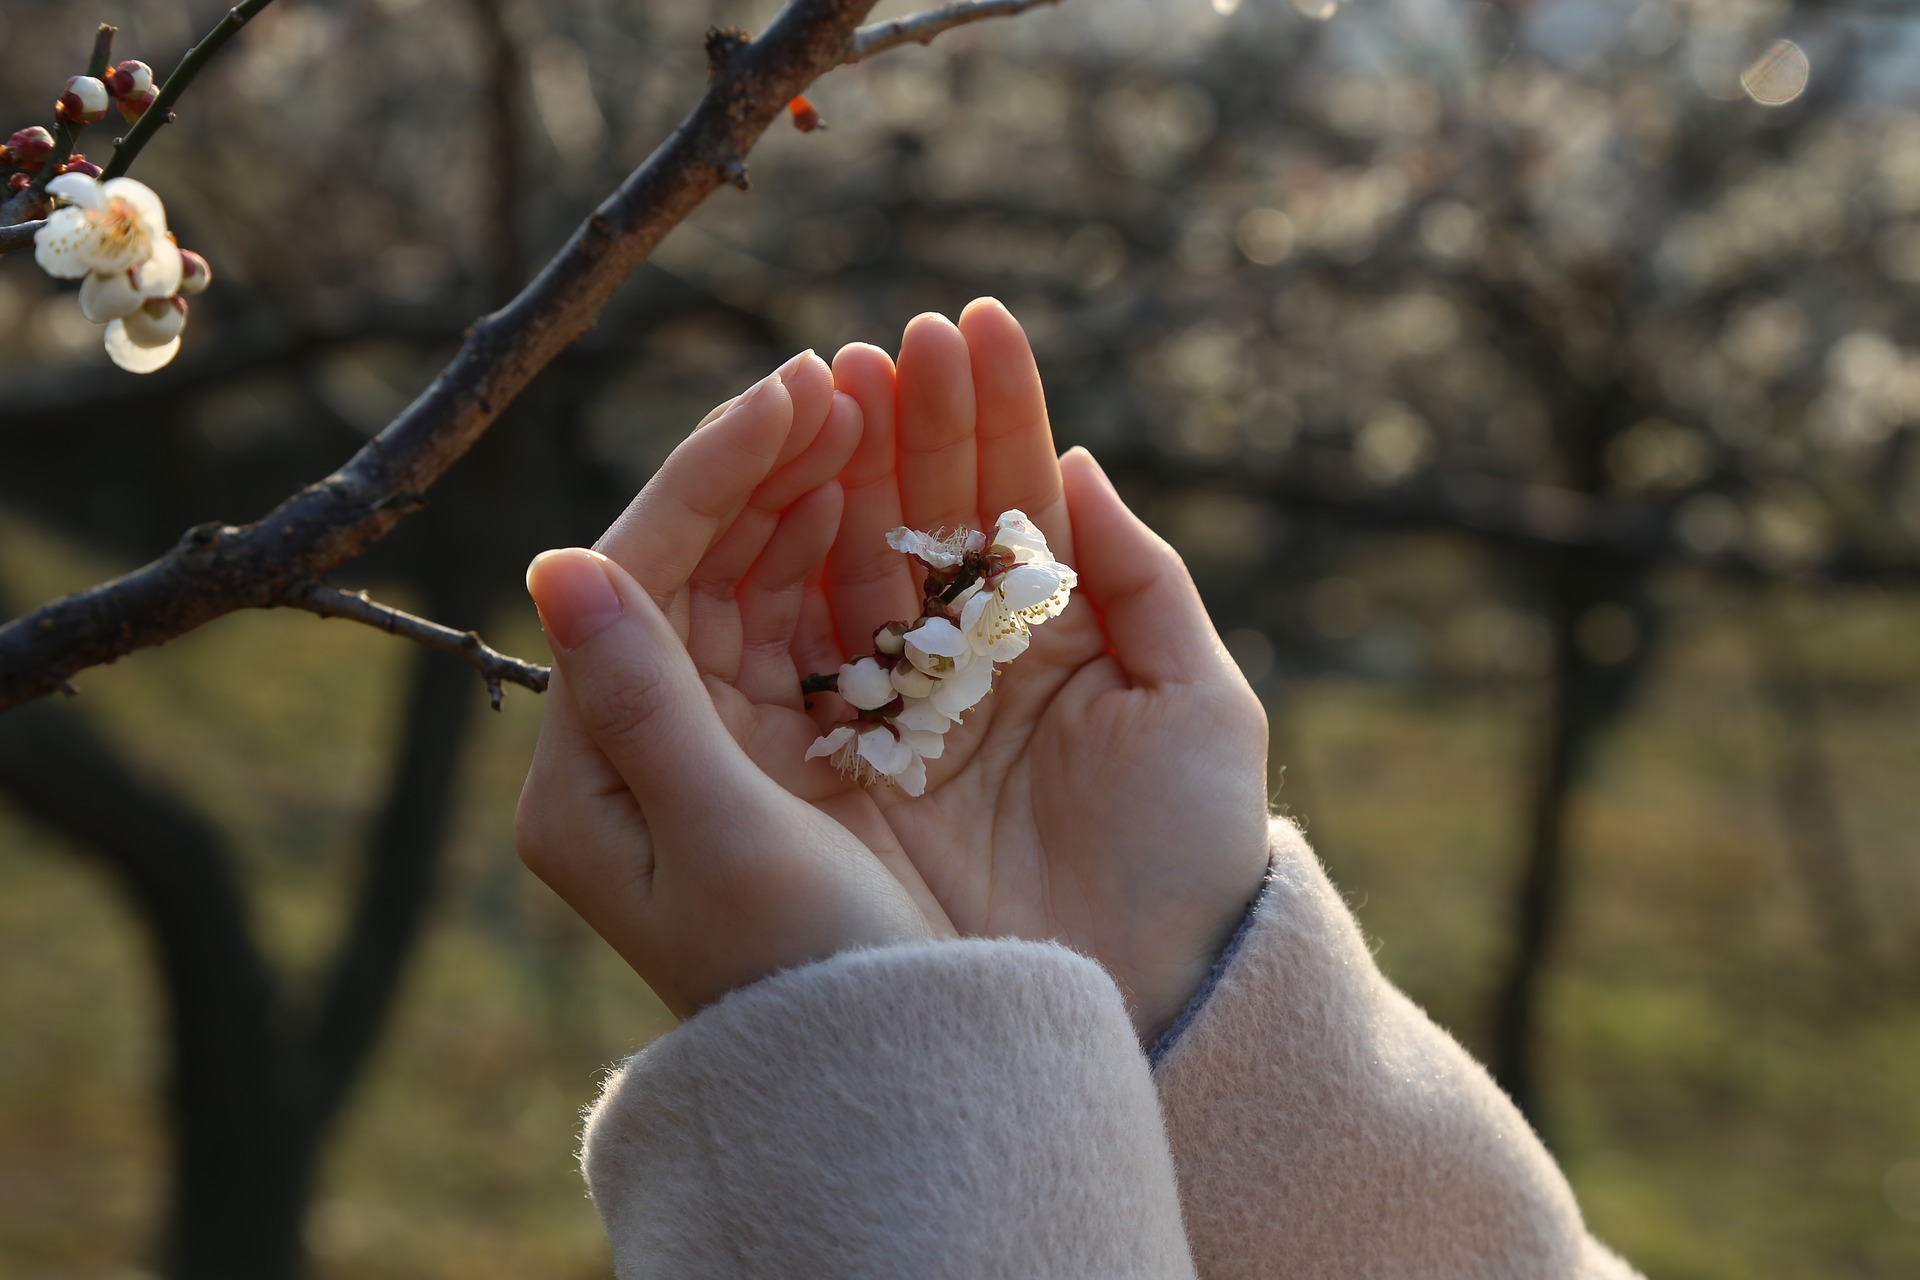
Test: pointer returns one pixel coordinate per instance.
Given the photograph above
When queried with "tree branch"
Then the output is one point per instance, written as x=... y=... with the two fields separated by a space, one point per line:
x=494 y=667
x=19 y=235
x=161 y=112
x=921 y=28
x=217 y=569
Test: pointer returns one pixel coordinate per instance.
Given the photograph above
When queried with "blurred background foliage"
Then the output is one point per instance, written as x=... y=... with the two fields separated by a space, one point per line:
x=1532 y=386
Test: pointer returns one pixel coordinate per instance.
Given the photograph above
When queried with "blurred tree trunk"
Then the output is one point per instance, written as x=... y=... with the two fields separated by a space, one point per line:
x=254 y=1085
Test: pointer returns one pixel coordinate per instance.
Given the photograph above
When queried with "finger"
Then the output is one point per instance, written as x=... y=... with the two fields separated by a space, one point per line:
x=577 y=826
x=1018 y=466
x=1137 y=583
x=809 y=383
x=772 y=593
x=936 y=450
x=867 y=583
x=815 y=646
x=713 y=610
x=636 y=692
x=703 y=484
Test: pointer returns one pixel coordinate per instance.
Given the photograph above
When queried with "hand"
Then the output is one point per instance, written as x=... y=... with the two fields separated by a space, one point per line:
x=640 y=809
x=1111 y=791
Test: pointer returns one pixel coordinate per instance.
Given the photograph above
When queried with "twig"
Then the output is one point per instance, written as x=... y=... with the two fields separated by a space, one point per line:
x=218 y=569
x=18 y=236
x=494 y=667
x=921 y=28
x=33 y=200
x=161 y=112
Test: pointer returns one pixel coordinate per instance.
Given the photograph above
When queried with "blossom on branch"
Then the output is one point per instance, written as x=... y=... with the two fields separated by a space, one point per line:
x=113 y=237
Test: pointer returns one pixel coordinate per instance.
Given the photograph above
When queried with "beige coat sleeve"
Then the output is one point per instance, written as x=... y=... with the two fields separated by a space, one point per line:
x=1323 y=1126
x=963 y=1109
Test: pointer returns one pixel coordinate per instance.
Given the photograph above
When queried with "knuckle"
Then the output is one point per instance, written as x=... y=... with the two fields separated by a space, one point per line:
x=620 y=712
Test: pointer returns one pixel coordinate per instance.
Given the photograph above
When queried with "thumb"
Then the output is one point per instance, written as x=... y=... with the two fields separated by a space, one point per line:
x=635 y=688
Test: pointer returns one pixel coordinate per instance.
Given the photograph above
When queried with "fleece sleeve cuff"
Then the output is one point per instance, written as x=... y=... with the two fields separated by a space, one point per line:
x=953 y=1109
x=1323 y=1126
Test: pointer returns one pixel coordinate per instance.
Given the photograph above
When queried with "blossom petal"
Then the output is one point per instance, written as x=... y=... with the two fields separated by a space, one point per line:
x=960 y=692
x=939 y=637
x=1028 y=585
x=926 y=744
x=65 y=247
x=866 y=684
x=886 y=753
x=133 y=357
x=913 y=778
x=910 y=681
x=145 y=204
x=108 y=296
x=920 y=715
x=156 y=323
x=159 y=276
x=1015 y=533
x=832 y=742
x=80 y=190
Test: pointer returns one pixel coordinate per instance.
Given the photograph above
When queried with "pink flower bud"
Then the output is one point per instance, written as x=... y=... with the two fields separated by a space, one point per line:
x=134 y=105
x=85 y=101
x=19 y=182
x=195 y=274
x=30 y=148
x=130 y=78
x=77 y=163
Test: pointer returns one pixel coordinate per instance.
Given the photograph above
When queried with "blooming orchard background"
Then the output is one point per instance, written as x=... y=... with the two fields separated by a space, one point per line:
x=1535 y=403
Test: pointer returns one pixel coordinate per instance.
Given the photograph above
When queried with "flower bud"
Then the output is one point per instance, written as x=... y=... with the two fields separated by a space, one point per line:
x=29 y=148
x=911 y=681
x=865 y=684
x=19 y=182
x=157 y=323
x=134 y=105
x=891 y=639
x=85 y=101
x=77 y=163
x=806 y=118
x=130 y=78
x=195 y=274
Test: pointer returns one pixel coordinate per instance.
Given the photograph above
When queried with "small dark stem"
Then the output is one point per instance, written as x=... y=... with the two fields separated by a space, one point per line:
x=494 y=667
x=65 y=136
x=829 y=683
x=161 y=112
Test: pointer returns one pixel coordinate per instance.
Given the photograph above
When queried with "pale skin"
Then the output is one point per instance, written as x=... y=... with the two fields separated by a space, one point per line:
x=1109 y=793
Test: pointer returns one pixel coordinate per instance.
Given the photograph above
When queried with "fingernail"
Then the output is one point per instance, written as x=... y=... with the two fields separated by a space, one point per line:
x=576 y=599
x=787 y=369
x=759 y=388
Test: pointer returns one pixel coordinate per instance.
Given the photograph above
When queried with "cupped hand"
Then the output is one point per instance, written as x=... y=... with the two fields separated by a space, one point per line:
x=1110 y=793
x=640 y=808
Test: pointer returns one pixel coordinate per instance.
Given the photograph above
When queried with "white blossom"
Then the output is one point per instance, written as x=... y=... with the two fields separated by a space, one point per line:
x=106 y=228
x=962 y=674
x=866 y=684
x=868 y=752
x=999 y=614
x=112 y=236
x=937 y=550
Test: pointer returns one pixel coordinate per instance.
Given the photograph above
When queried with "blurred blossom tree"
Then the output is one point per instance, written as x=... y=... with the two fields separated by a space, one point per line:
x=1617 y=290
